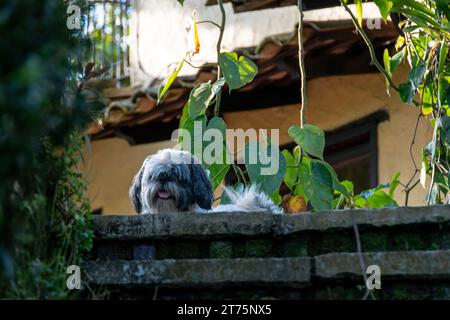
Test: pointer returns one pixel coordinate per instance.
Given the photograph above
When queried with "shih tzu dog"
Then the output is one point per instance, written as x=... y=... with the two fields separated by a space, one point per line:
x=174 y=181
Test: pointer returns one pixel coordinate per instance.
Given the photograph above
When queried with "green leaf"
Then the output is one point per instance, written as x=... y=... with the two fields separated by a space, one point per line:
x=218 y=169
x=219 y=124
x=444 y=7
x=384 y=6
x=238 y=71
x=348 y=185
x=199 y=99
x=290 y=177
x=413 y=4
x=360 y=202
x=381 y=200
x=165 y=85
x=396 y=60
x=442 y=56
x=387 y=62
x=181 y=2
x=394 y=184
x=189 y=124
x=359 y=11
x=416 y=74
x=317 y=184
x=446 y=129
x=336 y=184
x=427 y=100
x=310 y=138
x=406 y=92
x=217 y=172
x=267 y=182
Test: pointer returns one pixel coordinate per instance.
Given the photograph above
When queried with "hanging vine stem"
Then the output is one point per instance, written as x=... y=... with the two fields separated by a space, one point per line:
x=301 y=63
x=235 y=167
x=219 y=43
x=369 y=44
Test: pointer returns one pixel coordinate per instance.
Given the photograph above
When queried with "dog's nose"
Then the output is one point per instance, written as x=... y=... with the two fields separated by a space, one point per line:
x=163 y=176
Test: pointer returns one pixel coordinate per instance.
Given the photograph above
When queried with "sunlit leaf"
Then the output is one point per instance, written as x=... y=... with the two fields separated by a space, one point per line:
x=442 y=56
x=394 y=183
x=427 y=100
x=238 y=71
x=359 y=11
x=165 y=85
x=196 y=39
x=384 y=6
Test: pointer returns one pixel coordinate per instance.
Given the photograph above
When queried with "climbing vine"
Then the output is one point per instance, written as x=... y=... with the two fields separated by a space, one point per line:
x=310 y=179
x=423 y=43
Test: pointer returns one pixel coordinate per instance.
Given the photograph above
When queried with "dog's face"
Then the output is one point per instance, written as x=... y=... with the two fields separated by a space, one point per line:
x=171 y=181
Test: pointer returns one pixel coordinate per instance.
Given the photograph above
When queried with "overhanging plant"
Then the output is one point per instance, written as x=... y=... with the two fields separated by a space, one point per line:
x=305 y=172
x=423 y=43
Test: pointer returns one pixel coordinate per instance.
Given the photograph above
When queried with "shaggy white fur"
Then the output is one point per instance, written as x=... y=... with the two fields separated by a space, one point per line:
x=174 y=181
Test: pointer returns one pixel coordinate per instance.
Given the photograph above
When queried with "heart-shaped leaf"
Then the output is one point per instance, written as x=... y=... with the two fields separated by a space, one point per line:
x=337 y=185
x=317 y=184
x=201 y=97
x=255 y=158
x=310 y=138
x=238 y=71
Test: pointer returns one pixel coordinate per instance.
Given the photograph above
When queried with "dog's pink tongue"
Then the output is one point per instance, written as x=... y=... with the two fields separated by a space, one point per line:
x=164 y=195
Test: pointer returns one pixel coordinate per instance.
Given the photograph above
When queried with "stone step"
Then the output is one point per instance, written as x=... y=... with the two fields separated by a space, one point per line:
x=216 y=225
x=201 y=272
x=279 y=272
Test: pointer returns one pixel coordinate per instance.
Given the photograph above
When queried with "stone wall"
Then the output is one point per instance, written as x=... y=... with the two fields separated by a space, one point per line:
x=260 y=255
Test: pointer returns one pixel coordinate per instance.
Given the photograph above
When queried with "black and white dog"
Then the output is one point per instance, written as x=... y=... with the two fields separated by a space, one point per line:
x=175 y=181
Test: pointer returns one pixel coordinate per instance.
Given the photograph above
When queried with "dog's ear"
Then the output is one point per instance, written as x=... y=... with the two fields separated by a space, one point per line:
x=203 y=192
x=135 y=190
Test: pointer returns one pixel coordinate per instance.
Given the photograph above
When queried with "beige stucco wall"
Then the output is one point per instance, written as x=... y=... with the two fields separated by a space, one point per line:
x=333 y=102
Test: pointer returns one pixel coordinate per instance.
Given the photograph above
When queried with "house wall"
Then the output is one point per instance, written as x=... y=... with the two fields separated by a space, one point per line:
x=162 y=24
x=332 y=103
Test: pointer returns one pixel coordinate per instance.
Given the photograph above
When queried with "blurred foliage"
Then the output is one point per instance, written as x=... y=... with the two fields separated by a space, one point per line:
x=45 y=219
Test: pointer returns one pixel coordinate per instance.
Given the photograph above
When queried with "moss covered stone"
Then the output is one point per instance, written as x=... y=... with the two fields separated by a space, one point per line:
x=221 y=249
x=409 y=241
x=296 y=248
x=258 y=248
x=374 y=241
x=332 y=242
x=177 y=250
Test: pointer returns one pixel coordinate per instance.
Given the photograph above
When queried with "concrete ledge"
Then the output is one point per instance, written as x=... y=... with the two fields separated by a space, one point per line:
x=411 y=265
x=192 y=225
x=293 y=272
